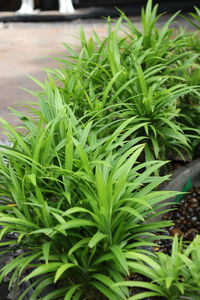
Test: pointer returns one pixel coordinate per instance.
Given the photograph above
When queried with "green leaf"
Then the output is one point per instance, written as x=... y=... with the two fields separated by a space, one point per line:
x=95 y=239
x=74 y=210
x=131 y=211
x=43 y=269
x=145 y=258
x=143 y=295
x=142 y=284
x=109 y=283
x=104 y=290
x=75 y=223
x=121 y=258
x=56 y=294
x=62 y=269
x=32 y=179
x=80 y=244
x=46 y=250
x=169 y=281
x=71 y=291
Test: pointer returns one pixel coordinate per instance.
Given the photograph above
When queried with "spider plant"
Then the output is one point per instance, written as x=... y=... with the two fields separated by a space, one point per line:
x=194 y=18
x=78 y=205
x=174 y=277
x=129 y=73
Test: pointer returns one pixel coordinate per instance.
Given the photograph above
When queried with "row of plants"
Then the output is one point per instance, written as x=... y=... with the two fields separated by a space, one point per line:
x=80 y=184
x=152 y=74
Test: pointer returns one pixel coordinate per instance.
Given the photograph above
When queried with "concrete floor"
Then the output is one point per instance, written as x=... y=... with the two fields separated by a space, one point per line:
x=25 y=49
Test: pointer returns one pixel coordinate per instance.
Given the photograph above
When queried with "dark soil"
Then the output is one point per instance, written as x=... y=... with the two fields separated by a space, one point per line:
x=4 y=291
x=4 y=286
x=186 y=218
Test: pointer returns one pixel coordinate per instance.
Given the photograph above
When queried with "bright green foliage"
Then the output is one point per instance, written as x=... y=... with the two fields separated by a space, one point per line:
x=190 y=105
x=191 y=270
x=195 y=20
x=173 y=277
x=151 y=74
x=77 y=204
x=78 y=188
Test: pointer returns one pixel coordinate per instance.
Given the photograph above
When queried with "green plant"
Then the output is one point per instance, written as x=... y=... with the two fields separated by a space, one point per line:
x=191 y=270
x=195 y=20
x=174 y=276
x=145 y=74
x=190 y=104
x=79 y=204
x=71 y=186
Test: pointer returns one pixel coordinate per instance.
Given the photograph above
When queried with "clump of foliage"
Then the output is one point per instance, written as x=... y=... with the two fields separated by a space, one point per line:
x=175 y=276
x=151 y=74
x=195 y=18
x=78 y=206
x=78 y=186
x=190 y=105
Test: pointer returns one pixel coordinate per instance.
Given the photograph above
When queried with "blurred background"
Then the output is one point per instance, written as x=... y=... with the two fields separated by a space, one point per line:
x=169 y=5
